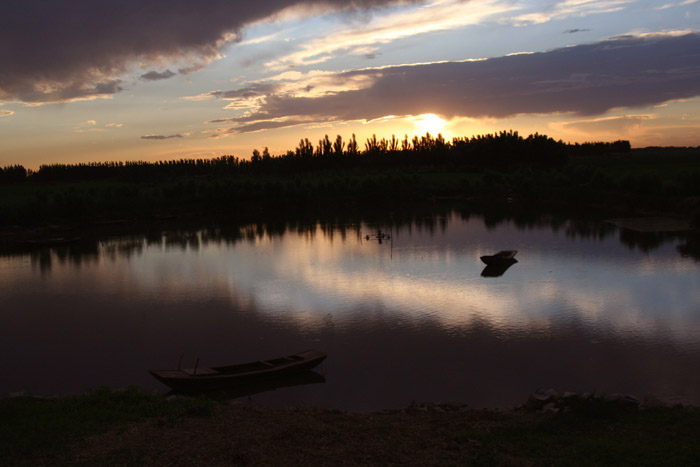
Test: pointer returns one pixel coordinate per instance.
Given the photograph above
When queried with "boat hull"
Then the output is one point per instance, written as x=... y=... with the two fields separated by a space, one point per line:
x=500 y=258
x=203 y=379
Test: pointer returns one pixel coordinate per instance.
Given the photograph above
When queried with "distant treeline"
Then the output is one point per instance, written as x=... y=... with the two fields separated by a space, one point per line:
x=12 y=174
x=337 y=175
x=492 y=151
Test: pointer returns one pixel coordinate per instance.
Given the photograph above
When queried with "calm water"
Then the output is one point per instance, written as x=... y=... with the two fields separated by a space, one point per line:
x=408 y=319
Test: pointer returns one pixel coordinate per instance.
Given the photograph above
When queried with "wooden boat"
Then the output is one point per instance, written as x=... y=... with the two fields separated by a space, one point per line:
x=197 y=379
x=502 y=257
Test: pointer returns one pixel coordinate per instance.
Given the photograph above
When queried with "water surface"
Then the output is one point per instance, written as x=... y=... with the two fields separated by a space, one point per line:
x=587 y=308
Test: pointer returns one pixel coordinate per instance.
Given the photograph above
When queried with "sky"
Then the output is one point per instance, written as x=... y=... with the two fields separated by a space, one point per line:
x=87 y=81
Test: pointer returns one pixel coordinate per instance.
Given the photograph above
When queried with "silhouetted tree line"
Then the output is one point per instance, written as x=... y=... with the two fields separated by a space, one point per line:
x=504 y=149
x=13 y=174
x=599 y=148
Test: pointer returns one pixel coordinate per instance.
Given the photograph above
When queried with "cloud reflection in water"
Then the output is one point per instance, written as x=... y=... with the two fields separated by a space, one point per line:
x=583 y=311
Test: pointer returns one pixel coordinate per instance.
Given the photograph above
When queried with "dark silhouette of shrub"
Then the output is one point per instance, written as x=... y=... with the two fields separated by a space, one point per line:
x=503 y=150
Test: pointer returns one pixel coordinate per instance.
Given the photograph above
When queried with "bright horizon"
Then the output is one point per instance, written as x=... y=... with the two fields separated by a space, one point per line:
x=84 y=81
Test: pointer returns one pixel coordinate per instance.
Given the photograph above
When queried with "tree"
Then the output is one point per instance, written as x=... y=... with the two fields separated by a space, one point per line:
x=371 y=145
x=352 y=145
x=324 y=147
x=305 y=149
x=338 y=145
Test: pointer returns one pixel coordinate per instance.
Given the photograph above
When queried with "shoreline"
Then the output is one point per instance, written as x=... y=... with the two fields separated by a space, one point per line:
x=547 y=429
x=645 y=219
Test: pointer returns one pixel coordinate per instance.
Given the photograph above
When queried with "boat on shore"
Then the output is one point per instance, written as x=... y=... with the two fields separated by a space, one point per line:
x=500 y=258
x=206 y=378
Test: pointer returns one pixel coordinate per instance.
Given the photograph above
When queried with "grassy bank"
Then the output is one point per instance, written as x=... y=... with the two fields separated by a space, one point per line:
x=133 y=428
x=31 y=426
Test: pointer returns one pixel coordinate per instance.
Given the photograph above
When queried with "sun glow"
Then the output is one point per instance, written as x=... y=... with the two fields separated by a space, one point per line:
x=429 y=123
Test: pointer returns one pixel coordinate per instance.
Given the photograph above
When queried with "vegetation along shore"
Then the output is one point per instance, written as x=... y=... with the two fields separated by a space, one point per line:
x=533 y=170
x=131 y=427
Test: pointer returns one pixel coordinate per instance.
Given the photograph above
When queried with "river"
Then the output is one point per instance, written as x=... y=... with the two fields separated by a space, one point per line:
x=407 y=317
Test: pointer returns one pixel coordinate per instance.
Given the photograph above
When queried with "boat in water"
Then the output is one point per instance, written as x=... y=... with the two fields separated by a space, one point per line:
x=206 y=378
x=500 y=258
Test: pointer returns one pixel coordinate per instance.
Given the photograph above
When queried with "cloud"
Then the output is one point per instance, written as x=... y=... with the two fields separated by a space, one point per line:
x=436 y=16
x=309 y=84
x=253 y=90
x=6 y=113
x=158 y=137
x=91 y=126
x=193 y=68
x=61 y=51
x=87 y=125
x=620 y=124
x=37 y=90
x=587 y=80
x=156 y=76
x=673 y=5
x=259 y=126
x=569 y=8
x=574 y=31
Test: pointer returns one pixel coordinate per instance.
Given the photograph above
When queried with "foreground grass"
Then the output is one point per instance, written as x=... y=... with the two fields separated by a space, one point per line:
x=134 y=428
x=31 y=426
x=598 y=432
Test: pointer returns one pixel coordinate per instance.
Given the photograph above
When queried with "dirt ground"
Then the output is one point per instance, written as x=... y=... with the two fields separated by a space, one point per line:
x=549 y=429
x=246 y=435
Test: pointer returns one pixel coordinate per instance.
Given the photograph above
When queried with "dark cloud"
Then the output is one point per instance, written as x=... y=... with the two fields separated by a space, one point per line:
x=161 y=136
x=63 y=50
x=155 y=75
x=585 y=80
x=257 y=126
x=191 y=69
x=254 y=90
x=85 y=86
x=574 y=31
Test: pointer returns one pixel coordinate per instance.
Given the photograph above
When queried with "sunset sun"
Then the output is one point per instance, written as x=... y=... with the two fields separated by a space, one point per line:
x=429 y=123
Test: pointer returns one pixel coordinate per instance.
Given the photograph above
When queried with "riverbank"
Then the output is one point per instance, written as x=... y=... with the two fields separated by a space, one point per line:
x=627 y=213
x=133 y=428
x=664 y=181
x=638 y=227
